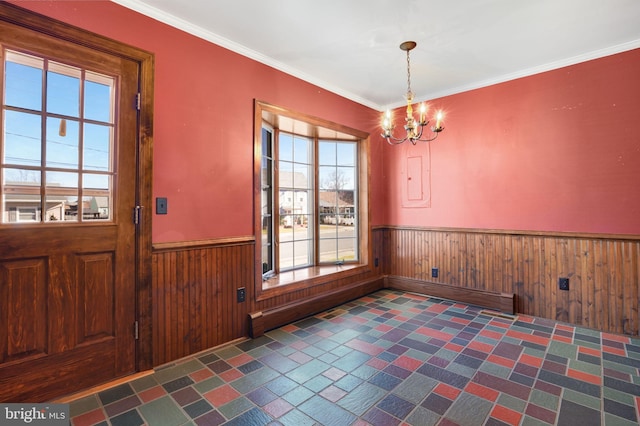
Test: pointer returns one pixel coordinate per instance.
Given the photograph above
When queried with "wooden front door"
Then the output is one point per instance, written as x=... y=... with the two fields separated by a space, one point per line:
x=67 y=234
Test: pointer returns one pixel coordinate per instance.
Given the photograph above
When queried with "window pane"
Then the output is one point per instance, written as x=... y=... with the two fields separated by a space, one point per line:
x=95 y=208
x=346 y=154
x=61 y=180
x=328 y=250
x=23 y=81
x=286 y=256
x=338 y=250
x=97 y=147
x=338 y=203
x=300 y=229
x=265 y=202
x=22 y=177
x=267 y=264
x=267 y=172
x=328 y=178
x=97 y=105
x=71 y=212
x=295 y=254
x=266 y=231
x=22 y=200
x=63 y=90
x=285 y=147
x=301 y=150
x=62 y=147
x=22 y=139
x=302 y=253
x=302 y=176
x=301 y=202
x=326 y=153
x=57 y=207
x=296 y=249
x=266 y=143
x=286 y=221
x=346 y=177
x=96 y=182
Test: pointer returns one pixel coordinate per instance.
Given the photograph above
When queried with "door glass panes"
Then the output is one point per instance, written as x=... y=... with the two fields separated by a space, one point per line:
x=337 y=174
x=97 y=197
x=63 y=90
x=97 y=147
x=22 y=138
x=23 y=81
x=63 y=142
x=22 y=187
x=57 y=163
x=98 y=89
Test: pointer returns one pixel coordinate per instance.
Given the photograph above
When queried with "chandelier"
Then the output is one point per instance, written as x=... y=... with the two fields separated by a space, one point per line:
x=414 y=128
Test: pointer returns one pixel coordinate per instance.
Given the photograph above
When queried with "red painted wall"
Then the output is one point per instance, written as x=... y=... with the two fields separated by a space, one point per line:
x=557 y=151
x=203 y=123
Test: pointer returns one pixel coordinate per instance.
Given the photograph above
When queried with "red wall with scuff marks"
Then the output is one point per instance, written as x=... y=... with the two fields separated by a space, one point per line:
x=557 y=151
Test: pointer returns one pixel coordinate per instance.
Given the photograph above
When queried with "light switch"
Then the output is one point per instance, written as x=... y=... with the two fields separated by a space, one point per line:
x=161 y=205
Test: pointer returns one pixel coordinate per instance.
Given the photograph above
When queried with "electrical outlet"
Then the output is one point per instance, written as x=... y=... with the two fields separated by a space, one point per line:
x=241 y=294
x=434 y=272
x=161 y=205
x=563 y=284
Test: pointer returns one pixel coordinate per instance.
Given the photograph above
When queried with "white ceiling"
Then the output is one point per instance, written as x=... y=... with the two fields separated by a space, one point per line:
x=351 y=47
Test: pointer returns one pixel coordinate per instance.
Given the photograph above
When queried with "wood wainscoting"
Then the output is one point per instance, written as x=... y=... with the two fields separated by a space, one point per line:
x=194 y=295
x=603 y=270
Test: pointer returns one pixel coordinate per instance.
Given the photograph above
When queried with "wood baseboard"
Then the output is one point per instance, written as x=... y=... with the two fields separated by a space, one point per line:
x=96 y=389
x=262 y=321
x=503 y=302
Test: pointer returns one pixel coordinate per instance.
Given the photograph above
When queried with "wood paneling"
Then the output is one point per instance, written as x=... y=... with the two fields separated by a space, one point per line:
x=96 y=297
x=194 y=297
x=23 y=304
x=194 y=293
x=603 y=271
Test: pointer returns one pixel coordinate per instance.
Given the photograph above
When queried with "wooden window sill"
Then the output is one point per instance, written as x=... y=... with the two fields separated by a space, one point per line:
x=306 y=277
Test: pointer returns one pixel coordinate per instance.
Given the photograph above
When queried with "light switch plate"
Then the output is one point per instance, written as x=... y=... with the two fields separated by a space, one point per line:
x=161 y=205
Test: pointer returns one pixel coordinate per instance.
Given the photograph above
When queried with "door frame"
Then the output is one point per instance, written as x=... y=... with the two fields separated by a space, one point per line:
x=143 y=261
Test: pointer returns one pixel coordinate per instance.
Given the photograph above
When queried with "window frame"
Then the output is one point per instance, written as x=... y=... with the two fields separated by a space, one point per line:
x=279 y=118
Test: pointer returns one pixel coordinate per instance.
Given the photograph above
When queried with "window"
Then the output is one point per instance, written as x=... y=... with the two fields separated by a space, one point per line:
x=312 y=210
x=57 y=141
x=338 y=201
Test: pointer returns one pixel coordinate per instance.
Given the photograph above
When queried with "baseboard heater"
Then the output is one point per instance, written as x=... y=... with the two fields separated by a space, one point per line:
x=503 y=302
x=266 y=320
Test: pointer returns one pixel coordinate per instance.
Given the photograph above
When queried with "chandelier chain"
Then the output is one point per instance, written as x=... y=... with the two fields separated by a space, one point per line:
x=408 y=74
